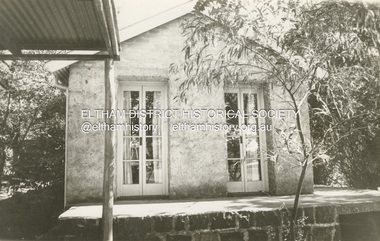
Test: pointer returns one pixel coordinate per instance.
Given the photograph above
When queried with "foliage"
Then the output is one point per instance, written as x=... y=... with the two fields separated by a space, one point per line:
x=356 y=155
x=344 y=110
x=249 y=34
x=32 y=120
x=325 y=53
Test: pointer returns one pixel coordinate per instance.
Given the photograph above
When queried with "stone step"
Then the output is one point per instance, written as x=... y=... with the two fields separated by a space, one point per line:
x=220 y=226
x=248 y=219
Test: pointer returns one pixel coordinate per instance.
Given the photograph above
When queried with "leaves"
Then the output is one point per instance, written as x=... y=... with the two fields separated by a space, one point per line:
x=330 y=47
x=32 y=121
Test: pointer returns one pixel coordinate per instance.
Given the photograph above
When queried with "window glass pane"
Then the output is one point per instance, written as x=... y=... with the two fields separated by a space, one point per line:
x=153 y=102
x=231 y=103
x=233 y=147
x=253 y=170
x=252 y=146
x=250 y=103
x=234 y=170
x=153 y=172
x=131 y=172
x=131 y=106
x=153 y=148
x=131 y=150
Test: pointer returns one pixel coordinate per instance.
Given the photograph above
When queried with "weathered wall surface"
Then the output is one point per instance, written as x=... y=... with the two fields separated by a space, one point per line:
x=284 y=173
x=84 y=167
x=197 y=158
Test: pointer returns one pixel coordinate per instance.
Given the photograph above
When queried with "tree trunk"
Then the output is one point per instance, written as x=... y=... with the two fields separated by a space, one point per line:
x=293 y=231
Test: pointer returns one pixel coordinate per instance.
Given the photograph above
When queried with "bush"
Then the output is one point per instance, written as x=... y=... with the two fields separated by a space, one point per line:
x=351 y=130
x=31 y=214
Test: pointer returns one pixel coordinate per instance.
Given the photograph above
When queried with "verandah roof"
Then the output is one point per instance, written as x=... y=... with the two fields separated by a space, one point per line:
x=88 y=25
x=67 y=25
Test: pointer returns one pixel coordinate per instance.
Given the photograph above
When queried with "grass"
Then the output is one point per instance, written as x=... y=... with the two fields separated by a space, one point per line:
x=31 y=214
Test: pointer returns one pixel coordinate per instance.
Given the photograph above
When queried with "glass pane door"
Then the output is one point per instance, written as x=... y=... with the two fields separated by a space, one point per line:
x=131 y=158
x=234 y=144
x=152 y=141
x=141 y=158
x=243 y=142
x=251 y=146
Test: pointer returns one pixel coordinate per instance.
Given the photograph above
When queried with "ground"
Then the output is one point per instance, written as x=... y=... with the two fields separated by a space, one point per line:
x=29 y=215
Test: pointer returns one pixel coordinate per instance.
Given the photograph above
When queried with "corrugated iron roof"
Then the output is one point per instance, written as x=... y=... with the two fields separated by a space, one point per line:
x=133 y=20
x=58 y=25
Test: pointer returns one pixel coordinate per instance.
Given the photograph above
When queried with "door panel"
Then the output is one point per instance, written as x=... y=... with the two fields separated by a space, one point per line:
x=142 y=158
x=234 y=144
x=244 y=159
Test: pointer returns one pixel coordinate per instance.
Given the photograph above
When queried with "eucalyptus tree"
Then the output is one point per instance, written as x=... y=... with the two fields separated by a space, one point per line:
x=308 y=50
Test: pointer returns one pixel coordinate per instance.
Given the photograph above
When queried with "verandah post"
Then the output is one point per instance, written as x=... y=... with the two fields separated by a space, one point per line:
x=109 y=152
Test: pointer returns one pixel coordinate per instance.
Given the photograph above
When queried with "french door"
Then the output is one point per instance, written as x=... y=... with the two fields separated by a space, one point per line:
x=142 y=145
x=245 y=143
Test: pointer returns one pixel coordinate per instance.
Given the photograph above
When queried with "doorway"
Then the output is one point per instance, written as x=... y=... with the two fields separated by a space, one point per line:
x=245 y=143
x=142 y=155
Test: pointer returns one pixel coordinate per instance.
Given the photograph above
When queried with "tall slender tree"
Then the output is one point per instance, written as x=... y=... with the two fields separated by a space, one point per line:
x=308 y=50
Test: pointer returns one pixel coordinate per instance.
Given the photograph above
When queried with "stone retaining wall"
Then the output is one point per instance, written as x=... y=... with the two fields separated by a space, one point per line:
x=320 y=223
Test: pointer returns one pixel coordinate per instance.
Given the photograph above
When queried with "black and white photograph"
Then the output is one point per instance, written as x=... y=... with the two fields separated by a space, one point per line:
x=190 y=120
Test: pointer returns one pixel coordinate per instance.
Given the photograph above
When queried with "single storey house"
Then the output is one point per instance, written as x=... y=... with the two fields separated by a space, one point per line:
x=171 y=148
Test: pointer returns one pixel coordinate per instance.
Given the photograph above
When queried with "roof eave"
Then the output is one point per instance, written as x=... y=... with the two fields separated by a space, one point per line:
x=135 y=30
